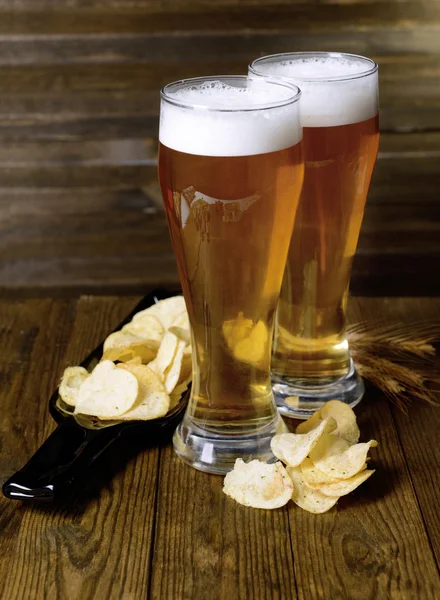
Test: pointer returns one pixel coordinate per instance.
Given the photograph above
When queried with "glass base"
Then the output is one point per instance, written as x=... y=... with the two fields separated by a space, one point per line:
x=296 y=399
x=216 y=453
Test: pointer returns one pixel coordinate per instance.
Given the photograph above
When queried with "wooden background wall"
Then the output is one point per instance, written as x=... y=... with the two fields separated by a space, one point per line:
x=80 y=209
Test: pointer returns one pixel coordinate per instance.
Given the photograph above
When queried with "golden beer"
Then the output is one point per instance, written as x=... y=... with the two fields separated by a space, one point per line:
x=311 y=341
x=230 y=246
x=339 y=113
x=230 y=181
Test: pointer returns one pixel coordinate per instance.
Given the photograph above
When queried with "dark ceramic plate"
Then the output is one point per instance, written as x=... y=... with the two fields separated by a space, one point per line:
x=71 y=450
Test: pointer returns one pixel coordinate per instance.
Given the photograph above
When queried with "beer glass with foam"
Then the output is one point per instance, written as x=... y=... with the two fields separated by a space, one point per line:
x=231 y=172
x=339 y=112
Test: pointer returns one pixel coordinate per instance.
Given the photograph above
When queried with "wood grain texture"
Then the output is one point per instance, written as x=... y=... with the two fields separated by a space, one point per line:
x=203 y=541
x=71 y=549
x=162 y=530
x=108 y=232
x=80 y=209
x=418 y=431
x=374 y=545
x=69 y=18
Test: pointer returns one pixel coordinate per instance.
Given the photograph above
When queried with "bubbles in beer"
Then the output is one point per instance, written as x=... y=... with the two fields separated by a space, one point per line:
x=336 y=90
x=216 y=119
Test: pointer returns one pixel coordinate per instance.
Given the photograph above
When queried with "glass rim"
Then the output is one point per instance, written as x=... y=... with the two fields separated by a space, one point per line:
x=285 y=56
x=255 y=107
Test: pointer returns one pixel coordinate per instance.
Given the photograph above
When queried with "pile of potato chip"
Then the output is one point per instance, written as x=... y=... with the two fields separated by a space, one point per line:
x=323 y=459
x=145 y=368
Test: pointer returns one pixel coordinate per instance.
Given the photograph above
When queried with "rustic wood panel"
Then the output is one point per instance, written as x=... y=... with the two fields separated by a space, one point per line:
x=362 y=545
x=148 y=16
x=418 y=430
x=73 y=547
x=202 y=541
x=160 y=529
x=79 y=115
x=109 y=232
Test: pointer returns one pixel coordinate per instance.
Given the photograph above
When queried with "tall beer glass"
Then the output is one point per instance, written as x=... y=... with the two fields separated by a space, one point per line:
x=231 y=171
x=339 y=112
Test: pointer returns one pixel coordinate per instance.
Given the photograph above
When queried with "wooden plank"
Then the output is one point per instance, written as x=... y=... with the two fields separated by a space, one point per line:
x=124 y=152
x=33 y=203
x=418 y=431
x=174 y=58
x=110 y=100
x=418 y=147
x=164 y=6
x=207 y=546
x=166 y=16
x=80 y=126
x=114 y=236
x=65 y=552
x=374 y=545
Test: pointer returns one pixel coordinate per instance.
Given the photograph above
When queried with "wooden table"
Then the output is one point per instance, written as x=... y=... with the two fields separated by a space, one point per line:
x=160 y=529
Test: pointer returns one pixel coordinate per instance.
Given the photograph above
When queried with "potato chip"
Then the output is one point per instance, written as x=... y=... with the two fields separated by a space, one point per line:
x=73 y=378
x=183 y=334
x=252 y=348
x=182 y=321
x=152 y=401
x=316 y=478
x=235 y=330
x=258 y=484
x=292 y=448
x=345 y=486
x=147 y=327
x=186 y=368
x=124 y=346
x=177 y=393
x=165 y=310
x=108 y=392
x=330 y=456
x=344 y=416
x=165 y=355
x=134 y=361
x=172 y=374
x=307 y=498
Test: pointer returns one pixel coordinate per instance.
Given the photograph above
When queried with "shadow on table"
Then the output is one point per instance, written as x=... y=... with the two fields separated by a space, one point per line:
x=110 y=464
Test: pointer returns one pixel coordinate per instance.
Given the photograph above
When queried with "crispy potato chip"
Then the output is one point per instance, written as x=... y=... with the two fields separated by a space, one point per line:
x=307 y=498
x=172 y=375
x=344 y=416
x=108 y=392
x=124 y=346
x=152 y=401
x=252 y=348
x=182 y=321
x=236 y=330
x=292 y=448
x=148 y=327
x=165 y=355
x=345 y=486
x=73 y=378
x=330 y=456
x=165 y=310
x=134 y=361
x=177 y=393
x=316 y=478
x=181 y=333
x=186 y=368
x=258 y=484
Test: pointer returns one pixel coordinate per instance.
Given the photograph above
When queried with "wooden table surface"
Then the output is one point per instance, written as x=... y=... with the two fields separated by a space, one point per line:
x=159 y=529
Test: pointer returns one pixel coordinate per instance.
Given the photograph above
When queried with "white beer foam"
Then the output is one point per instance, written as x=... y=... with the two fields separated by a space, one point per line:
x=327 y=103
x=230 y=121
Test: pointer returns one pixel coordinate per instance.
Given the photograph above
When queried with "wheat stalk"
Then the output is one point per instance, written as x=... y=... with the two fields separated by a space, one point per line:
x=398 y=359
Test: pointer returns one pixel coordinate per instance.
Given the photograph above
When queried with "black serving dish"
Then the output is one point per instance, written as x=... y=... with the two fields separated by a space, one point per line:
x=72 y=449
